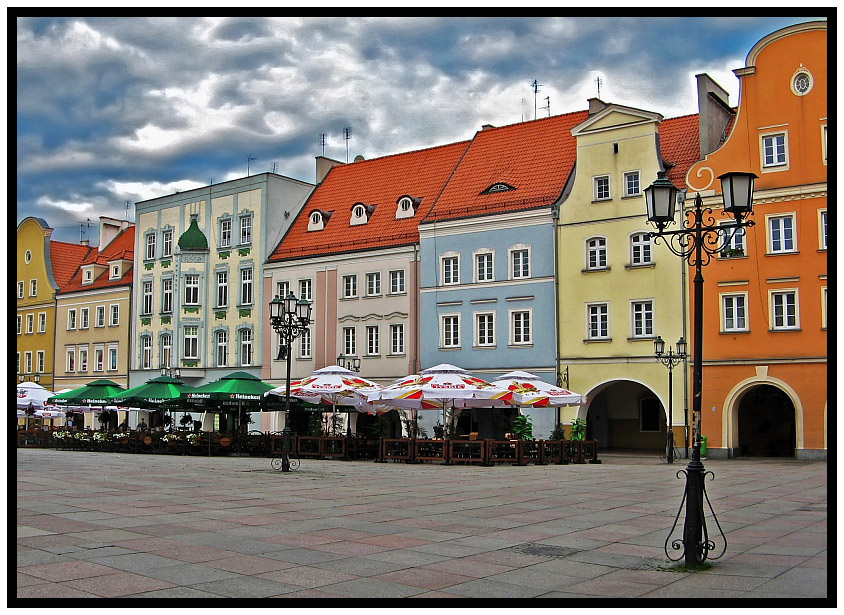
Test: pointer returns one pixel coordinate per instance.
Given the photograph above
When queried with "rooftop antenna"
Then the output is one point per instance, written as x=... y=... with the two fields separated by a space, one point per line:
x=248 y=158
x=347 y=134
x=322 y=142
x=523 y=109
x=548 y=105
x=598 y=81
x=127 y=210
x=535 y=87
x=275 y=167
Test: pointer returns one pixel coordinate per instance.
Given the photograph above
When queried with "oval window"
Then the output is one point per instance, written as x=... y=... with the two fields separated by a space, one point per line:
x=315 y=218
x=27 y=256
x=405 y=204
x=358 y=212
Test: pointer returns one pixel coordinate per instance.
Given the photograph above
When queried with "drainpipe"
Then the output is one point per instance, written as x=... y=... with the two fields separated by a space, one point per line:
x=685 y=360
x=555 y=217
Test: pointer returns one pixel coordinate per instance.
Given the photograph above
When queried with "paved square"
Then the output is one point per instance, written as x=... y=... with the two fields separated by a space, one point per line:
x=118 y=525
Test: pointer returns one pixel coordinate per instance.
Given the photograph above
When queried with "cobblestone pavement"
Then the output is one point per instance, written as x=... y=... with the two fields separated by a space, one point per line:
x=115 y=525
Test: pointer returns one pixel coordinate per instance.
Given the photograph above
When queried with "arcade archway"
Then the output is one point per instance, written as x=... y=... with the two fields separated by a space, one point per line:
x=626 y=415
x=766 y=423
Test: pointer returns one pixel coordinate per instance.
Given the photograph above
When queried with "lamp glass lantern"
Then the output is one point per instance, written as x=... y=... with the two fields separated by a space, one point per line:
x=303 y=310
x=681 y=347
x=737 y=190
x=276 y=307
x=659 y=346
x=661 y=199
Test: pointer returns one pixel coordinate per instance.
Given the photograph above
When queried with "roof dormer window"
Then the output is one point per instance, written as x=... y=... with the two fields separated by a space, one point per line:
x=407 y=206
x=361 y=213
x=318 y=219
x=498 y=187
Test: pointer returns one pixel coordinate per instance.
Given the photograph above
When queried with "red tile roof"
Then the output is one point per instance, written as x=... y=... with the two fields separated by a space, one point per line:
x=533 y=157
x=65 y=259
x=122 y=246
x=679 y=140
x=379 y=182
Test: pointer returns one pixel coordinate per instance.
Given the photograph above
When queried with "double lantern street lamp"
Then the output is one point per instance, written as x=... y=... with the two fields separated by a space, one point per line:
x=670 y=360
x=289 y=317
x=699 y=238
x=350 y=363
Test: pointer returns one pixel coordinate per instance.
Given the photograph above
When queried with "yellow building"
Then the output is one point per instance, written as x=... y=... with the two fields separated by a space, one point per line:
x=618 y=291
x=43 y=268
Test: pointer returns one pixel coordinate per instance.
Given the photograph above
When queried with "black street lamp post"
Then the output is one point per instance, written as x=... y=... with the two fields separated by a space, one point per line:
x=699 y=238
x=352 y=364
x=670 y=360
x=289 y=318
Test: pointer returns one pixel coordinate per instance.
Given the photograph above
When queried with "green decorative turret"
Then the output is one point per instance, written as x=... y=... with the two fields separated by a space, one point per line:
x=193 y=238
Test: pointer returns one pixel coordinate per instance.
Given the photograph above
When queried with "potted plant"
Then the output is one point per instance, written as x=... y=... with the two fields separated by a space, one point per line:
x=559 y=433
x=578 y=429
x=523 y=427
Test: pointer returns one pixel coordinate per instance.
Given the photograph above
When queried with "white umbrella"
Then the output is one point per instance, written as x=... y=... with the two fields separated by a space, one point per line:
x=50 y=414
x=527 y=389
x=31 y=393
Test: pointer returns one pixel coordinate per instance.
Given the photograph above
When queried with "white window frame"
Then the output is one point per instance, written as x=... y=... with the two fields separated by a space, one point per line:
x=247 y=349
x=597 y=182
x=99 y=320
x=33 y=288
x=373 y=284
x=628 y=175
x=27 y=359
x=772 y=302
x=222 y=289
x=246 y=230
x=349 y=341
x=373 y=340
x=521 y=335
x=640 y=309
x=113 y=358
x=305 y=344
x=115 y=272
x=512 y=252
x=641 y=242
x=734 y=239
x=40 y=361
x=190 y=338
x=397 y=282
x=226 y=233
x=731 y=304
x=769 y=221
x=450 y=269
x=822 y=229
x=453 y=326
x=30 y=323
x=350 y=286
x=84 y=319
x=71 y=319
x=598 y=251
x=146 y=352
x=487 y=340
x=146 y=301
x=19 y=320
x=99 y=359
x=306 y=289
x=397 y=339
x=42 y=322
x=599 y=318
x=488 y=269
x=824 y=298
x=69 y=360
x=149 y=247
x=166 y=345
x=21 y=288
x=167 y=243
x=192 y=289
x=777 y=165
x=114 y=315
x=167 y=296
x=247 y=286
x=282 y=289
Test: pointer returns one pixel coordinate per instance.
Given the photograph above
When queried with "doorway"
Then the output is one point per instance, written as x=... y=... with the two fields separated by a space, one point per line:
x=766 y=423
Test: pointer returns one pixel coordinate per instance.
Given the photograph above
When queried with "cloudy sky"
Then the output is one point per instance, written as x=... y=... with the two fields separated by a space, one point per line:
x=111 y=110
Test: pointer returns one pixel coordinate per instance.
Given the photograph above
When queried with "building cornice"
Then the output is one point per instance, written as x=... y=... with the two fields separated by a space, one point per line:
x=478 y=224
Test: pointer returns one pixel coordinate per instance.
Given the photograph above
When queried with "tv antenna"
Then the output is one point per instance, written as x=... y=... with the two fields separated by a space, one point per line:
x=248 y=158
x=322 y=142
x=127 y=210
x=547 y=105
x=598 y=81
x=535 y=87
x=275 y=167
x=83 y=228
x=347 y=134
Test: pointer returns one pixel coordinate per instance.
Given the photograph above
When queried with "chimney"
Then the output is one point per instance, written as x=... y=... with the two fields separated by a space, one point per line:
x=84 y=242
x=323 y=166
x=715 y=113
x=595 y=105
x=487 y=127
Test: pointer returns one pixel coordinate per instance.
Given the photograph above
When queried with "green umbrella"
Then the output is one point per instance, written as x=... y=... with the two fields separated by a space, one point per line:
x=97 y=393
x=159 y=392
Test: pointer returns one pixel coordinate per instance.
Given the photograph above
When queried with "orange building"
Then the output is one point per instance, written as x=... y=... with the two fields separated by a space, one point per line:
x=765 y=295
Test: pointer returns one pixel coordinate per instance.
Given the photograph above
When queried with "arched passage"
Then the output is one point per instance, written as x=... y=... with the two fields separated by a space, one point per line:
x=766 y=423
x=623 y=414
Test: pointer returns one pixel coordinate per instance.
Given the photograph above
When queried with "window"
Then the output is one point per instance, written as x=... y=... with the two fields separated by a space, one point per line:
x=281 y=289
x=70 y=360
x=822 y=230
x=167 y=243
x=521 y=327
x=83 y=320
x=27 y=357
x=42 y=321
x=397 y=282
x=225 y=233
x=598 y=322
x=246 y=286
x=450 y=270
x=397 y=339
x=27 y=256
x=350 y=286
x=483 y=267
x=40 y=361
x=349 y=346
x=450 y=331
x=33 y=288
x=20 y=324
x=222 y=289
x=649 y=414
x=192 y=289
x=191 y=345
x=784 y=310
x=30 y=321
x=305 y=344
x=373 y=346
x=166 y=350
x=20 y=289
x=146 y=302
x=520 y=259
x=781 y=236
x=100 y=322
x=146 y=352
x=305 y=290
x=115 y=272
x=823 y=142
x=640 y=249
x=643 y=318
x=823 y=307
x=246 y=229
x=150 y=247
x=485 y=329
x=734 y=241
x=99 y=357
x=734 y=312
x=774 y=150
x=373 y=284
x=88 y=275
x=246 y=347
x=596 y=253
x=631 y=184
x=19 y=363
x=167 y=296
x=71 y=320
x=115 y=315
x=602 y=188
x=112 y=358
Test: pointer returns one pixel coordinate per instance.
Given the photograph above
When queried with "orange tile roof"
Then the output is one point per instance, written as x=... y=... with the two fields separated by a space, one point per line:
x=679 y=140
x=534 y=157
x=65 y=259
x=379 y=182
x=122 y=246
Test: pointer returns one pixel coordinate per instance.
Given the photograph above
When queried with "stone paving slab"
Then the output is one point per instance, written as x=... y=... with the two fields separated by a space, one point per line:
x=232 y=528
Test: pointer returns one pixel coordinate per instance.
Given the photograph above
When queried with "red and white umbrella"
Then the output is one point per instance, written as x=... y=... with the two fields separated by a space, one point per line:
x=526 y=389
x=50 y=414
x=31 y=393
